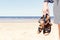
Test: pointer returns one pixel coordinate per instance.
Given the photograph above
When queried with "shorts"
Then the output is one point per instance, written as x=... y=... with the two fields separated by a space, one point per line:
x=56 y=11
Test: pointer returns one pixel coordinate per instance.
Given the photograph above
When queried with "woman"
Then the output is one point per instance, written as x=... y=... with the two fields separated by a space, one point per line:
x=56 y=11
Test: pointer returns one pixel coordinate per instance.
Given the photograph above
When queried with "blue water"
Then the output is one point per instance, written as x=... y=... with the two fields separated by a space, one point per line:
x=20 y=18
x=24 y=17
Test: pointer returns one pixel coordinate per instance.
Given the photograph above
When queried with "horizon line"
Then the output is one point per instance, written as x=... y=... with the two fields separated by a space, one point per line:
x=22 y=16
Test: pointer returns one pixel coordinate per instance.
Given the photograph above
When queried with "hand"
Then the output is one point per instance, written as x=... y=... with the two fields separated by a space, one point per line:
x=45 y=8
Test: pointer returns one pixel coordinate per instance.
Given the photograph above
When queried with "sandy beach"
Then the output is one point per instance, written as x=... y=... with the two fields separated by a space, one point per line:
x=25 y=30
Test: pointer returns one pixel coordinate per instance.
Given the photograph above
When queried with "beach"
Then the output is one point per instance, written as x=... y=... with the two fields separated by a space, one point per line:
x=25 y=29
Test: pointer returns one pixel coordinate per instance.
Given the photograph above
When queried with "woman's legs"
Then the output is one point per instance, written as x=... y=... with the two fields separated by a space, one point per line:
x=59 y=30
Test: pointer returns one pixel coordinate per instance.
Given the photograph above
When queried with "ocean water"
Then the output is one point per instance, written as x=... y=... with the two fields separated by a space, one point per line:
x=21 y=18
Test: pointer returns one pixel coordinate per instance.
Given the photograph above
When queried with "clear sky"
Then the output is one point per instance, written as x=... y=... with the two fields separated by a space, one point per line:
x=22 y=8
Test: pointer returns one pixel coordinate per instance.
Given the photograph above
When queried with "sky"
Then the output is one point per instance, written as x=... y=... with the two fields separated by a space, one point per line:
x=23 y=8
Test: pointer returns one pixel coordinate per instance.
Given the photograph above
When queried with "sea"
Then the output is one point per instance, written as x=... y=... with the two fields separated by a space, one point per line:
x=20 y=18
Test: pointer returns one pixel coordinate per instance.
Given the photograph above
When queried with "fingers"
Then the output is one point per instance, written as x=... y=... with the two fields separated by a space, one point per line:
x=45 y=10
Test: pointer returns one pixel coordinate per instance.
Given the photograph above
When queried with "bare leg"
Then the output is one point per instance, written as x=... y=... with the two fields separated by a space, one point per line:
x=59 y=30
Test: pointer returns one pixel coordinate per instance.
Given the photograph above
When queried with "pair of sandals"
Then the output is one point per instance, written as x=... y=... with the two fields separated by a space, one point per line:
x=45 y=24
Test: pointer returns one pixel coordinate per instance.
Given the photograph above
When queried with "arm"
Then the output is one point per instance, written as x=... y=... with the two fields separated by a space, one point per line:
x=45 y=6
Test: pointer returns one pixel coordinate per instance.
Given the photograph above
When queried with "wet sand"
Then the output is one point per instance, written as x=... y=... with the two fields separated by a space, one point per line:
x=26 y=30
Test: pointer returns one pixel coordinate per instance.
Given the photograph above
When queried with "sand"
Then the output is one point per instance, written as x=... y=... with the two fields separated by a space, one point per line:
x=26 y=30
